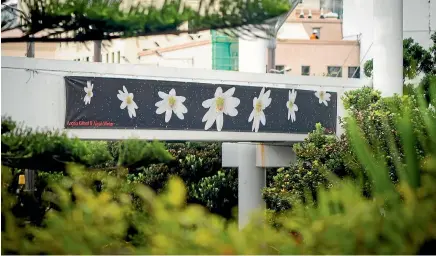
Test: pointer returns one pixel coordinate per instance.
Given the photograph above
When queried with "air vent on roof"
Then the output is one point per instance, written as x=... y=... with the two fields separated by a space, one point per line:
x=322 y=14
x=302 y=13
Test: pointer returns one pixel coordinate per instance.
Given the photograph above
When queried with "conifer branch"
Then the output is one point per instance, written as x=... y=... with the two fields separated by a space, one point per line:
x=85 y=20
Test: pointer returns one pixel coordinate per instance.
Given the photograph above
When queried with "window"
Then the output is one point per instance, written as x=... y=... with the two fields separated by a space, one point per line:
x=316 y=32
x=225 y=51
x=305 y=70
x=353 y=72
x=334 y=71
x=87 y=59
x=118 y=57
x=107 y=57
x=113 y=57
x=280 y=69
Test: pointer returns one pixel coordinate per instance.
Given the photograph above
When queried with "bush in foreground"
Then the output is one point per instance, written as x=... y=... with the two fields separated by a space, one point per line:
x=398 y=219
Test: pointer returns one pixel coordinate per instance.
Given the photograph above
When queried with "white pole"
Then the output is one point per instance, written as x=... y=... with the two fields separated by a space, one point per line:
x=251 y=181
x=252 y=54
x=388 y=47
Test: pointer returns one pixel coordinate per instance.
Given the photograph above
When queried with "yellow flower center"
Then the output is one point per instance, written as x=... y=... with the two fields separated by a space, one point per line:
x=129 y=100
x=290 y=104
x=219 y=103
x=321 y=95
x=89 y=93
x=172 y=101
x=258 y=106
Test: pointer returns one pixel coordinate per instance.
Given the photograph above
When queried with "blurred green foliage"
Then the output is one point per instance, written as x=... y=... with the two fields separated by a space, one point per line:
x=322 y=155
x=148 y=163
x=319 y=155
x=370 y=191
x=399 y=218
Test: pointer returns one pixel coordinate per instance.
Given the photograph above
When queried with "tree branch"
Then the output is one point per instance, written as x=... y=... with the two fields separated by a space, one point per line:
x=83 y=20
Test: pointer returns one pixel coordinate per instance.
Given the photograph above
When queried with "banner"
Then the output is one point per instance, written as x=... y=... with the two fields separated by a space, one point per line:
x=119 y=103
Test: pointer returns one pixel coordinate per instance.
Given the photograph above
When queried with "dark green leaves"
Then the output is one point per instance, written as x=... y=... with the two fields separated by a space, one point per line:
x=25 y=148
x=83 y=20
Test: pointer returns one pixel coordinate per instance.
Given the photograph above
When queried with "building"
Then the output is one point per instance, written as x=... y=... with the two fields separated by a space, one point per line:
x=328 y=55
x=123 y=50
x=296 y=53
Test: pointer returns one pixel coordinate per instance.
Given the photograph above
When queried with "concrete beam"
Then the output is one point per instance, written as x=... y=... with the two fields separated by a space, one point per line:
x=274 y=156
x=267 y=156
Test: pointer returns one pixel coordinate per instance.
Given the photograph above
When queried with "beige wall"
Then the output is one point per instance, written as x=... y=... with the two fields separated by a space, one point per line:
x=193 y=55
x=329 y=30
x=127 y=48
x=318 y=54
x=42 y=50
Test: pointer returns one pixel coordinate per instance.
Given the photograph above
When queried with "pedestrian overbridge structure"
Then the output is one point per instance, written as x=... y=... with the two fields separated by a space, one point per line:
x=256 y=116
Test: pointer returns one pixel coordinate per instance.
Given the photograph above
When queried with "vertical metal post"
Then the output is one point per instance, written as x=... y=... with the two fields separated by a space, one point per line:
x=30 y=180
x=273 y=30
x=30 y=50
x=271 y=54
x=97 y=51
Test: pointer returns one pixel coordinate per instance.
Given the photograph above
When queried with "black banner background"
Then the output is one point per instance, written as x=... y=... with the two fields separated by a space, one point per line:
x=104 y=111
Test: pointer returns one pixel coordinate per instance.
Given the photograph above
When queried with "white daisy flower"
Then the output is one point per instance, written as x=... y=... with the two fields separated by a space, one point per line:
x=292 y=107
x=220 y=104
x=171 y=103
x=431 y=108
x=127 y=101
x=323 y=97
x=89 y=93
x=259 y=104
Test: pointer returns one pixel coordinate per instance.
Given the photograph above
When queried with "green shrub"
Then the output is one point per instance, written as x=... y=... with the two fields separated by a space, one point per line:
x=143 y=162
x=398 y=219
x=199 y=166
x=321 y=155
x=219 y=193
x=24 y=148
x=329 y=214
x=377 y=120
x=317 y=157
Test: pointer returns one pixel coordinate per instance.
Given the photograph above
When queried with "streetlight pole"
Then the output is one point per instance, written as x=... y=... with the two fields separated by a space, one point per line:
x=274 y=29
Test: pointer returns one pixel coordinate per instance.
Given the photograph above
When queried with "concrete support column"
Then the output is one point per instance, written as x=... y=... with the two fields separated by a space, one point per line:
x=252 y=54
x=388 y=47
x=251 y=160
x=251 y=180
